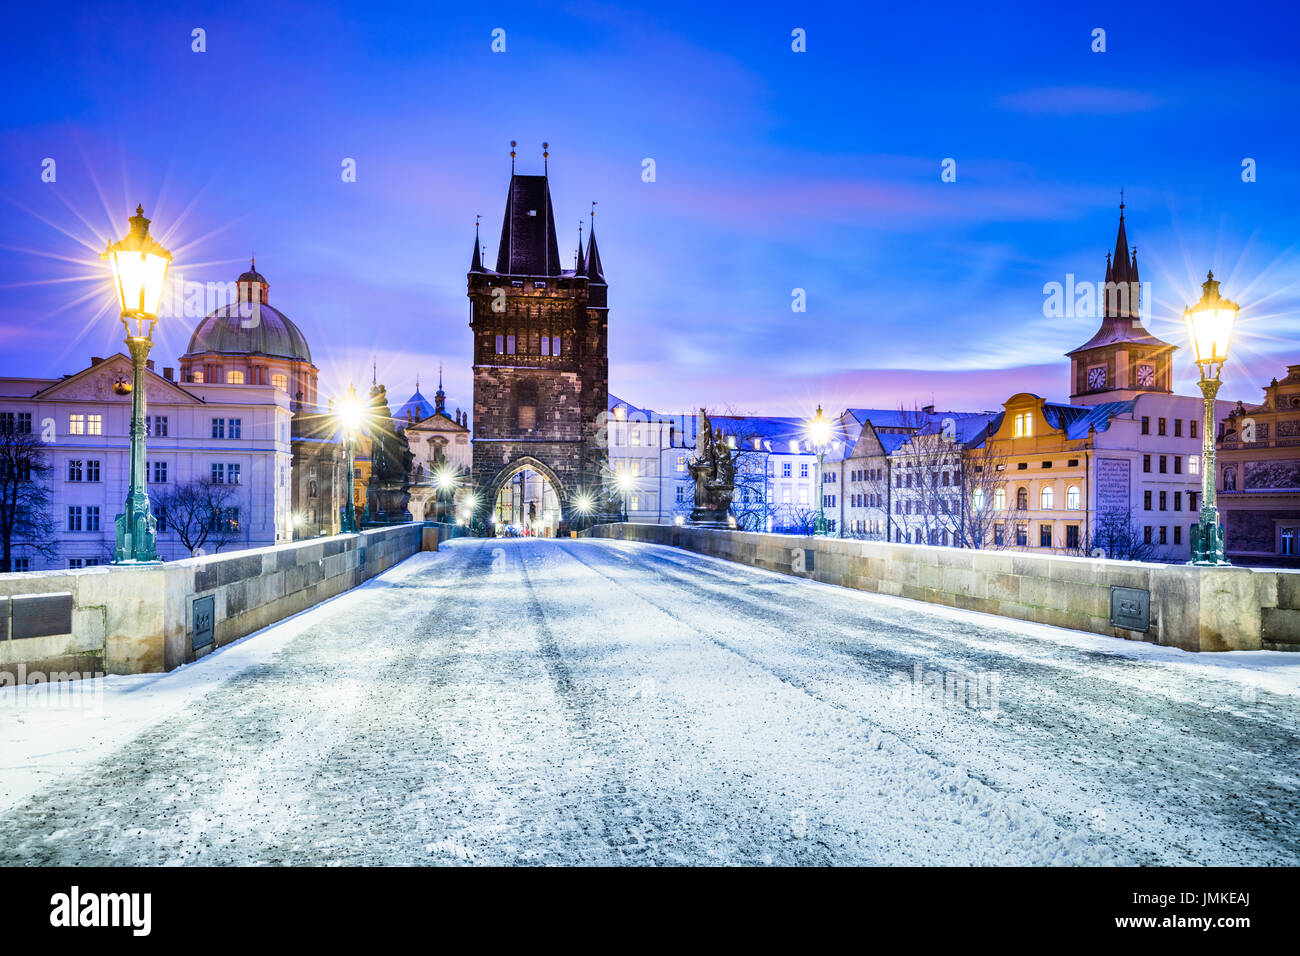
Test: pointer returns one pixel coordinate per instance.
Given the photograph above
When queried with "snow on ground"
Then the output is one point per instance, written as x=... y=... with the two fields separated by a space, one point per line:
x=542 y=701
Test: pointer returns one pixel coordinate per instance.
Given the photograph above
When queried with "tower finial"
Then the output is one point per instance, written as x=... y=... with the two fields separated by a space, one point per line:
x=374 y=374
x=1121 y=202
x=512 y=157
x=546 y=159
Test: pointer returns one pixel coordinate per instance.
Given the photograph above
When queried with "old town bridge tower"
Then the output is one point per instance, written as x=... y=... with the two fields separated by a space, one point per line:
x=541 y=361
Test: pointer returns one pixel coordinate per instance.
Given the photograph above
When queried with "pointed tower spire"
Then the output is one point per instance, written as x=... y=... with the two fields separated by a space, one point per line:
x=595 y=272
x=440 y=397
x=581 y=266
x=476 y=263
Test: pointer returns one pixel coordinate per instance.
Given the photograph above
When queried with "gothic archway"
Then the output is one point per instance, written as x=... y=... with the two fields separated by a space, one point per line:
x=532 y=506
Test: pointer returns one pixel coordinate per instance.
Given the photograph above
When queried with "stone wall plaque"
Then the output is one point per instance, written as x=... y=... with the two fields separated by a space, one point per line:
x=1113 y=486
x=1130 y=608
x=205 y=622
x=41 y=615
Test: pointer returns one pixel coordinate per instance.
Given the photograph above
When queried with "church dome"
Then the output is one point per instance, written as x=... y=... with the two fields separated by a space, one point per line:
x=233 y=330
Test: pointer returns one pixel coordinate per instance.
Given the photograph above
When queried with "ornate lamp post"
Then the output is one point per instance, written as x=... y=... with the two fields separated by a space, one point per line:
x=350 y=416
x=445 y=480
x=1209 y=323
x=819 y=431
x=139 y=271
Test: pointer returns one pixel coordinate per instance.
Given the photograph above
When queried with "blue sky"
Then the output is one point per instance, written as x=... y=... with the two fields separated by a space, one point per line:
x=775 y=170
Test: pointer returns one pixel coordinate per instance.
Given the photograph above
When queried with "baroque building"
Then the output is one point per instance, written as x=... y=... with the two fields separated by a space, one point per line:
x=541 y=366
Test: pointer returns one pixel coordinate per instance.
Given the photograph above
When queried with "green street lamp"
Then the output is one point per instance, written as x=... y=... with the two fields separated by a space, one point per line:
x=1209 y=323
x=350 y=415
x=819 y=431
x=139 y=272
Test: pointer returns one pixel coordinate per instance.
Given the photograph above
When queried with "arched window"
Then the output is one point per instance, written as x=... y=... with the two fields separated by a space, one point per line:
x=1045 y=498
x=1072 y=497
x=234 y=378
x=1022 y=499
x=1000 y=499
x=280 y=381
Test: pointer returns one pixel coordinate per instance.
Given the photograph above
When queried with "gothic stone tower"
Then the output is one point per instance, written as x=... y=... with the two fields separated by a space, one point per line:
x=541 y=359
x=1123 y=359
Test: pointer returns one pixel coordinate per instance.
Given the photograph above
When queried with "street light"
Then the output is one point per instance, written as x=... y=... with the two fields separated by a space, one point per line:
x=1209 y=323
x=139 y=271
x=624 y=483
x=350 y=416
x=819 y=431
x=444 y=479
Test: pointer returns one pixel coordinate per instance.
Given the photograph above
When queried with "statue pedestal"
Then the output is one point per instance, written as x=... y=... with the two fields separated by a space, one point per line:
x=706 y=518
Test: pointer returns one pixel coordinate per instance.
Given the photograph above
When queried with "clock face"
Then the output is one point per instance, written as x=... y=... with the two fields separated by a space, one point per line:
x=1097 y=377
x=1146 y=375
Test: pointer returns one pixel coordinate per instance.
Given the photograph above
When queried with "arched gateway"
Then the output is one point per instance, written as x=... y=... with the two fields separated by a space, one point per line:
x=541 y=360
x=528 y=494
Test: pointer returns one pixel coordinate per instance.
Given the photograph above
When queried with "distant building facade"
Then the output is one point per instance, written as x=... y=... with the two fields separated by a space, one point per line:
x=1258 y=465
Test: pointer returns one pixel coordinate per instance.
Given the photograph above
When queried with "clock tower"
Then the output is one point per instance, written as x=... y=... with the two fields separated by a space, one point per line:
x=1123 y=359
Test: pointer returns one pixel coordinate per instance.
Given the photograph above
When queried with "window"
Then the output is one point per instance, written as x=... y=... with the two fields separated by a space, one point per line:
x=1146 y=500
x=785 y=494
x=76 y=424
x=1044 y=535
x=803 y=494
x=1191 y=501
x=159 y=473
x=785 y=469
x=1146 y=535
x=555 y=345
x=197 y=377
x=218 y=428
x=1023 y=425
x=1072 y=536
x=1178 y=463
x=546 y=345
x=1164 y=464
x=1178 y=501
x=681 y=463
x=1178 y=529
x=501 y=347
x=16 y=423
x=233 y=427
x=803 y=469
x=1178 y=433
x=234 y=378
x=155 y=425
x=74 y=517
x=999 y=535
x=1160 y=426
x=979 y=499
x=217 y=474
x=1163 y=535
x=232 y=474
x=1164 y=501
x=280 y=381
x=1193 y=464
x=1000 y=500
x=1191 y=428
x=1045 y=498
x=1286 y=541
x=1022 y=499
x=510 y=345
x=92 y=469
x=94 y=424
x=22 y=564
x=1146 y=463
x=92 y=518
x=74 y=469
x=1146 y=425
x=1072 y=498
x=1022 y=535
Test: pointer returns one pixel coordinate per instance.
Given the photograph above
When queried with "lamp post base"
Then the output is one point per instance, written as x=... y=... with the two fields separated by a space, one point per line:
x=1207 y=545
x=136 y=541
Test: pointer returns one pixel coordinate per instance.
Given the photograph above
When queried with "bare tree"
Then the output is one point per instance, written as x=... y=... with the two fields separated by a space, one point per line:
x=1115 y=534
x=203 y=514
x=25 y=519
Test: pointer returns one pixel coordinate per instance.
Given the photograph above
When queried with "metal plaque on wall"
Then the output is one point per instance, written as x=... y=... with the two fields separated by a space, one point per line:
x=205 y=622
x=1130 y=608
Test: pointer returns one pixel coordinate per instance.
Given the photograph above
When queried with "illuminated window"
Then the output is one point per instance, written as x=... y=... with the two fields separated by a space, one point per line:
x=1000 y=499
x=234 y=378
x=94 y=424
x=197 y=377
x=1023 y=425
x=280 y=381
x=979 y=499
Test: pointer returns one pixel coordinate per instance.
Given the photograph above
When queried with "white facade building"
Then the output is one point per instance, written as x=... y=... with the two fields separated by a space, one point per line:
x=232 y=434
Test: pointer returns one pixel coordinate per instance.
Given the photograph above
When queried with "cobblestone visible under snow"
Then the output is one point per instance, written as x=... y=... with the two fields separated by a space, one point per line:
x=541 y=701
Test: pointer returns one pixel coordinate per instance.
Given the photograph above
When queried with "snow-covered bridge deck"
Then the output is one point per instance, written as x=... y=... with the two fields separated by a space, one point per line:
x=535 y=701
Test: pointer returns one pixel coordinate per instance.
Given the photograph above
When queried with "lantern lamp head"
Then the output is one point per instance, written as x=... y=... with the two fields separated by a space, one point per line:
x=1209 y=324
x=139 y=271
x=819 y=429
x=350 y=411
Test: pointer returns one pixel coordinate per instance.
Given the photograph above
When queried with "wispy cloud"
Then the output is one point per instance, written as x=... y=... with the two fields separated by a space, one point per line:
x=1079 y=100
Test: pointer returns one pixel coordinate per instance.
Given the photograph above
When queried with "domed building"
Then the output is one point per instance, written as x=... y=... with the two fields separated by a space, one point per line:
x=250 y=342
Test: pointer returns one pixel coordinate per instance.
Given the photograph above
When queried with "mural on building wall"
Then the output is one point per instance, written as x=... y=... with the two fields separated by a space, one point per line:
x=1272 y=475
